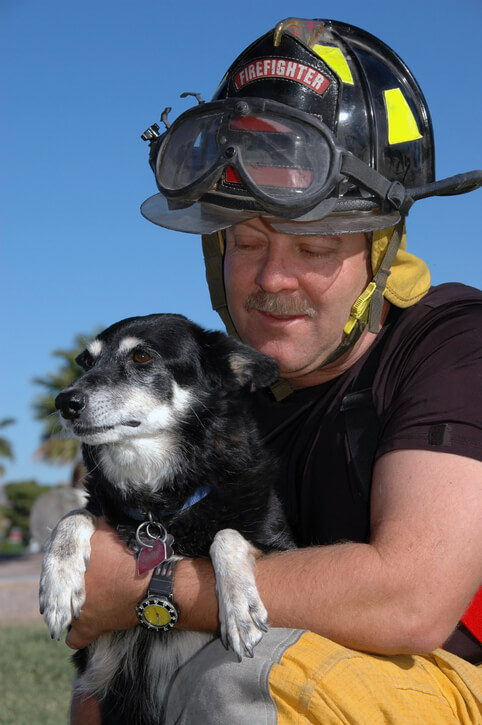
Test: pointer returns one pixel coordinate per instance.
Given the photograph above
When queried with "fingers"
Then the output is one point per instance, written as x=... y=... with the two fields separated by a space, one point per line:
x=77 y=639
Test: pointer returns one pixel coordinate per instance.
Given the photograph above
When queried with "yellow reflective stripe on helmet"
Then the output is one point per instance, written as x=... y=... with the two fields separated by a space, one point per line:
x=337 y=62
x=360 y=308
x=402 y=125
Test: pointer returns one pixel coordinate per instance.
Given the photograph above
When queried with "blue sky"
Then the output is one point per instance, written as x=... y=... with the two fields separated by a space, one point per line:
x=84 y=79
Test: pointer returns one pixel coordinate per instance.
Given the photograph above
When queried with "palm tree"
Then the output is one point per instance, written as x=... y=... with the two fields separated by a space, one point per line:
x=55 y=447
x=6 y=450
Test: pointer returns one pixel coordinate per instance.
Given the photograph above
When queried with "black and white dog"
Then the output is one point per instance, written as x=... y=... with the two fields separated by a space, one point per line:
x=162 y=410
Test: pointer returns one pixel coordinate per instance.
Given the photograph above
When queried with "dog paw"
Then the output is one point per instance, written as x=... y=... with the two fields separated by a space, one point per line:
x=62 y=589
x=242 y=615
x=243 y=621
x=60 y=600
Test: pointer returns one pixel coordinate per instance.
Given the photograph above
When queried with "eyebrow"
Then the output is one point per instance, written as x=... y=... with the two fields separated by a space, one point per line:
x=129 y=343
x=232 y=229
x=94 y=347
x=322 y=238
x=329 y=237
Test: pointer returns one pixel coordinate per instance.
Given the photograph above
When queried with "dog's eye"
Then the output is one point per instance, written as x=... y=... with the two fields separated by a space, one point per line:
x=86 y=360
x=140 y=356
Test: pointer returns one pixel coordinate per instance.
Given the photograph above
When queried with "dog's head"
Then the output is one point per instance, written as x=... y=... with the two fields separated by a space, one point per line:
x=145 y=376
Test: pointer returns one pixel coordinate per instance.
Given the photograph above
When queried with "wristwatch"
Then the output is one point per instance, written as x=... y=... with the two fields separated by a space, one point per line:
x=158 y=611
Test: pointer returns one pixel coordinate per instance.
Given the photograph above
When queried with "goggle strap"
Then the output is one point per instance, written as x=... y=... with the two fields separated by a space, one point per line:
x=390 y=191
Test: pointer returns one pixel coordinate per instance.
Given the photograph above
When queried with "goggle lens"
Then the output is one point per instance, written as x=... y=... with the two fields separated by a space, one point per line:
x=189 y=152
x=272 y=177
x=281 y=157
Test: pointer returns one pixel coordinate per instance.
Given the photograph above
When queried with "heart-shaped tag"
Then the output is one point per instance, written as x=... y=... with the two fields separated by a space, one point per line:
x=148 y=559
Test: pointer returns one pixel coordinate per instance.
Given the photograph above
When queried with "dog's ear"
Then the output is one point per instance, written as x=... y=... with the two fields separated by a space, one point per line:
x=249 y=366
x=253 y=368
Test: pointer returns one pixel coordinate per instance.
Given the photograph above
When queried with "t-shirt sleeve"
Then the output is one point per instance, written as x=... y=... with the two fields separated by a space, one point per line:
x=430 y=391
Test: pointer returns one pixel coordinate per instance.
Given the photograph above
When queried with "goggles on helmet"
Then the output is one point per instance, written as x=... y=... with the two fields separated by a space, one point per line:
x=252 y=156
x=287 y=159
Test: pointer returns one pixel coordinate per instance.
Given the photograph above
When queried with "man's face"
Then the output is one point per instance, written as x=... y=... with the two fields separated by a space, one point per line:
x=289 y=295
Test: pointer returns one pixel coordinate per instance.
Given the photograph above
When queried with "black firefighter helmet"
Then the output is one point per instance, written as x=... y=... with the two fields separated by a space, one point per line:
x=318 y=122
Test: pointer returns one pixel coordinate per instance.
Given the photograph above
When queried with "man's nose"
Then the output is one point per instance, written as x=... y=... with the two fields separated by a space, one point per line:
x=275 y=273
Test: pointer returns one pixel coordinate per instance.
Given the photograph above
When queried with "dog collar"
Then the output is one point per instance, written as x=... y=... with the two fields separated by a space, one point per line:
x=196 y=497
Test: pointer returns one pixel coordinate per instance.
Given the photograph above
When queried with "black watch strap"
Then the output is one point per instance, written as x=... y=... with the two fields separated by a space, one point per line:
x=162 y=579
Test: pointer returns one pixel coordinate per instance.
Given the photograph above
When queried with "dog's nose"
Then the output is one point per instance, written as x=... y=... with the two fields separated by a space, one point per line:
x=71 y=403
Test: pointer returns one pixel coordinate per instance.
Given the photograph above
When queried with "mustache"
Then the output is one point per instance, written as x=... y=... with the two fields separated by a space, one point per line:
x=275 y=304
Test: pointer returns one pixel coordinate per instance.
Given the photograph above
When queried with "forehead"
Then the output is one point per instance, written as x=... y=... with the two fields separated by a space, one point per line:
x=261 y=227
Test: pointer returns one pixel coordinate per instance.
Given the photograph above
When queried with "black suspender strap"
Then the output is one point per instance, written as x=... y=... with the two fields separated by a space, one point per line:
x=362 y=426
x=361 y=423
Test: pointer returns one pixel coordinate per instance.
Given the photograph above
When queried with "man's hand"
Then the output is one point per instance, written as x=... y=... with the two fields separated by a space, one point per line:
x=112 y=586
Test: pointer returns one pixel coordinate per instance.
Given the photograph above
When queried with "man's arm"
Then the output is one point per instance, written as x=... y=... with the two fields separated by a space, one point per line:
x=402 y=592
x=112 y=586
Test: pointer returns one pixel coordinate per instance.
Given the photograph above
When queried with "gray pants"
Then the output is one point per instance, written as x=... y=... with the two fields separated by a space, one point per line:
x=213 y=688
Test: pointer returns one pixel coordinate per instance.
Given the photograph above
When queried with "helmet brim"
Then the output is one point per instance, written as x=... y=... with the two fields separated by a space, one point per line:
x=204 y=218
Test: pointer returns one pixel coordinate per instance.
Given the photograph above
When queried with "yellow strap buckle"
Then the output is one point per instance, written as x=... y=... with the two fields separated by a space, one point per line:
x=360 y=308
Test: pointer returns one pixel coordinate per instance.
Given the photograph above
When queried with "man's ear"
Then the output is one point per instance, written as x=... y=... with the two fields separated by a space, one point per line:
x=249 y=366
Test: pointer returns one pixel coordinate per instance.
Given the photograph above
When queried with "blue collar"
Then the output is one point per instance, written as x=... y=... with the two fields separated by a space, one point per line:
x=198 y=495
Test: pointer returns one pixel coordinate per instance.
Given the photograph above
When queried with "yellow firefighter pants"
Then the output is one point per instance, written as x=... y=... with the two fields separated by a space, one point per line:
x=317 y=681
x=298 y=677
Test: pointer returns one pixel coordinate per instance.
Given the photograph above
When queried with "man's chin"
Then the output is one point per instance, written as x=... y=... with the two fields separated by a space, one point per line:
x=292 y=368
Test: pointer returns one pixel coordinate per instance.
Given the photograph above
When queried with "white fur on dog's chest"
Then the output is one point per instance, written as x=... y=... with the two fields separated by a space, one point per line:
x=141 y=462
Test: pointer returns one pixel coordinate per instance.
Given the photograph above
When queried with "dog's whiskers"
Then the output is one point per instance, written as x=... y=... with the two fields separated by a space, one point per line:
x=197 y=417
x=97 y=467
x=201 y=402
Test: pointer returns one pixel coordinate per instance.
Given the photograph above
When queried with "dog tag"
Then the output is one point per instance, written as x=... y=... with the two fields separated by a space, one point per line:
x=169 y=542
x=148 y=559
x=154 y=545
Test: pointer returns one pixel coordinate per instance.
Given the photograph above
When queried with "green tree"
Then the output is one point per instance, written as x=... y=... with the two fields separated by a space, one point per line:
x=55 y=446
x=6 y=450
x=21 y=496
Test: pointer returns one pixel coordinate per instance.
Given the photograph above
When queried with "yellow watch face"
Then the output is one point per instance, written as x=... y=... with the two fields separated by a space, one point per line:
x=156 y=615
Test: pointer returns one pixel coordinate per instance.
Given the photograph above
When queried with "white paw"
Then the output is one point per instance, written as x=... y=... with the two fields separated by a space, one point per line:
x=242 y=615
x=62 y=589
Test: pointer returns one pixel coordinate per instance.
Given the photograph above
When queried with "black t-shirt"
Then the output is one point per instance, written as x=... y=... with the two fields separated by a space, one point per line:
x=427 y=392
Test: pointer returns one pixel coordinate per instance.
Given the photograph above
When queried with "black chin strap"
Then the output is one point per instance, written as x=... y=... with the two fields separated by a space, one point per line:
x=381 y=277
